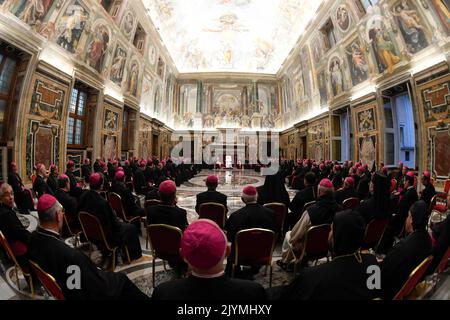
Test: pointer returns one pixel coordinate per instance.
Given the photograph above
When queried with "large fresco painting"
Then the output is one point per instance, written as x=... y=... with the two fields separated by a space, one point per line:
x=71 y=26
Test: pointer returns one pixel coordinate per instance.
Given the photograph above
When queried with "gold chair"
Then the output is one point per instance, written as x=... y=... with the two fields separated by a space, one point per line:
x=93 y=230
x=254 y=247
x=48 y=281
x=17 y=266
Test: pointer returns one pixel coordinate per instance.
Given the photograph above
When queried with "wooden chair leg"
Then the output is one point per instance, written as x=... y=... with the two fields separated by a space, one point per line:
x=113 y=264
x=232 y=270
x=270 y=275
x=31 y=286
x=153 y=270
x=128 y=254
x=17 y=277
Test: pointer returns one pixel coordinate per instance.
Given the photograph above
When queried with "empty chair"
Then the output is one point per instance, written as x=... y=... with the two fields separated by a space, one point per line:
x=47 y=281
x=165 y=243
x=413 y=279
x=213 y=211
x=350 y=203
x=315 y=246
x=26 y=273
x=95 y=235
x=374 y=233
x=254 y=247
x=280 y=214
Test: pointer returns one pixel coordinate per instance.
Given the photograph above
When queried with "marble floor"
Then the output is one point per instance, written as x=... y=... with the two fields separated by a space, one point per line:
x=231 y=183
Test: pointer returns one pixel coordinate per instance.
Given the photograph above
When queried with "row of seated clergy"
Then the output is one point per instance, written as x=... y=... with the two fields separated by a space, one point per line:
x=345 y=277
x=322 y=212
x=119 y=233
x=50 y=252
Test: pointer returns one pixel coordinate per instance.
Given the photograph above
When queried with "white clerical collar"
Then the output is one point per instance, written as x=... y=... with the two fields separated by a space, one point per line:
x=208 y=276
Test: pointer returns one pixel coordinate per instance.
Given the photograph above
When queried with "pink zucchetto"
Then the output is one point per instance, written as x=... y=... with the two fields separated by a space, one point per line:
x=212 y=179
x=120 y=175
x=45 y=202
x=203 y=244
x=249 y=191
x=326 y=183
x=167 y=187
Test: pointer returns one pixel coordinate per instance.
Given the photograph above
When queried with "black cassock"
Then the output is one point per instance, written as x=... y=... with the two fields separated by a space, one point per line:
x=55 y=257
x=402 y=259
x=22 y=197
x=213 y=289
x=344 y=278
x=86 y=172
x=211 y=196
x=70 y=205
x=52 y=183
x=118 y=233
x=41 y=187
x=428 y=193
x=128 y=200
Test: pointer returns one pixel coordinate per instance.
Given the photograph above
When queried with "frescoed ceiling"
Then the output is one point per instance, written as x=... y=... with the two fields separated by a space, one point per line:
x=230 y=35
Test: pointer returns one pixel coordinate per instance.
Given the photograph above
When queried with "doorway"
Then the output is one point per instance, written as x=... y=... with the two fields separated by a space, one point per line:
x=340 y=128
x=399 y=136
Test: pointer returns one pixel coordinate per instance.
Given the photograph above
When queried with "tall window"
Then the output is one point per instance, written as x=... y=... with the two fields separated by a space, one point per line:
x=77 y=118
x=8 y=75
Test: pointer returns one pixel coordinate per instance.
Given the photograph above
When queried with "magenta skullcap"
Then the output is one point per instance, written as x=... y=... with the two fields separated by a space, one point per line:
x=326 y=183
x=95 y=180
x=212 y=179
x=45 y=202
x=120 y=175
x=70 y=164
x=350 y=180
x=119 y=169
x=63 y=176
x=203 y=244
x=410 y=174
x=167 y=187
x=249 y=191
x=427 y=174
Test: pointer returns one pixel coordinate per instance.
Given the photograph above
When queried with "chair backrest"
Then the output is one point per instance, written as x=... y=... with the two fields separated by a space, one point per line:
x=280 y=213
x=414 y=278
x=316 y=244
x=447 y=185
x=307 y=205
x=374 y=232
x=254 y=247
x=10 y=253
x=165 y=241
x=444 y=261
x=93 y=229
x=432 y=204
x=213 y=211
x=151 y=202
x=116 y=203
x=350 y=203
x=47 y=281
